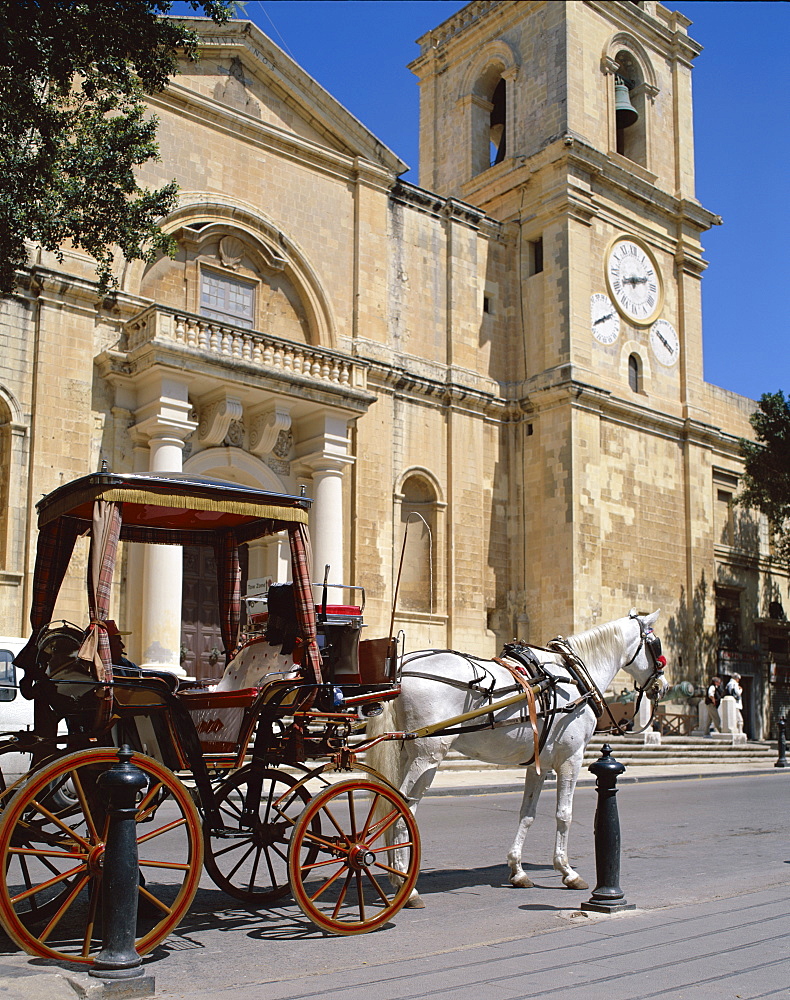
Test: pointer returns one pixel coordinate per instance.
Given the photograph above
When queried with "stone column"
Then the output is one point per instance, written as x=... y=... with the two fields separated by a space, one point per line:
x=324 y=457
x=164 y=421
x=162 y=578
x=328 y=523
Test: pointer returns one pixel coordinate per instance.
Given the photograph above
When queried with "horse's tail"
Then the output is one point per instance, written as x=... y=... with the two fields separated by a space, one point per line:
x=386 y=757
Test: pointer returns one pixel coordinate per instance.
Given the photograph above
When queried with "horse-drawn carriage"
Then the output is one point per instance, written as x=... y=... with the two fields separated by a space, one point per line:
x=230 y=766
x=249 y=774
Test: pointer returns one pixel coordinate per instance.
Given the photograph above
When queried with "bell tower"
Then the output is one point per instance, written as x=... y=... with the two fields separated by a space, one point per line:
x=572 y=124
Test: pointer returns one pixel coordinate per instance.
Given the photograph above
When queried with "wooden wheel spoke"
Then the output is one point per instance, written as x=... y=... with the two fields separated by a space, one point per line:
x=91 y=922
x=162 y=829
x=382 y=894
x=342 y=895
x=147 y=805
x=279 y=852
x=383 y=825
x=69 y=831
x=311 y=865
x=360 y=896
x=391 y=870
x=234 y=845
x=390 y=847
x=352 y=814
x=83 y=801
x=328 y=813
x=254 y=872
x=155 y=900
x=75 y=891
x=368 y=819
x=330 y=881
x=175 y=866
x=33 y=889
x=327 y=845
x=241 y=861
x=43 y=853
x=230 y=809
x=270 y=868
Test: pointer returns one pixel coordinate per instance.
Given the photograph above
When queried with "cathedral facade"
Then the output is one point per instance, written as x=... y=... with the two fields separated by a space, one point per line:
x=501 y=365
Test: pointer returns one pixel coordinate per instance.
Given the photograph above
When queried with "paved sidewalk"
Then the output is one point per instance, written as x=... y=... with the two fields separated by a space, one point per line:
x=475 y=782
x=666 y=952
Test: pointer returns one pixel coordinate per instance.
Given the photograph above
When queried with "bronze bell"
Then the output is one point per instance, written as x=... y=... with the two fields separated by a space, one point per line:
x=625 y=113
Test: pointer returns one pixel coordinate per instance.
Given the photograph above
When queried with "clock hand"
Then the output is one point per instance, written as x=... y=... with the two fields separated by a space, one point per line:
x=603 y=319
x=666 y=343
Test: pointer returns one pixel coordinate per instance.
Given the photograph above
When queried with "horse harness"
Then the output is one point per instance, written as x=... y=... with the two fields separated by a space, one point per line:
x=528 y=672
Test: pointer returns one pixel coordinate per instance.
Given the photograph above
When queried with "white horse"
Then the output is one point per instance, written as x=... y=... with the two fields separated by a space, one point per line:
x=438 y=685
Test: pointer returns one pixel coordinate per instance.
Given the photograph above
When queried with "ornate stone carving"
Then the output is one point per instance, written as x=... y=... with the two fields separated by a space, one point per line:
x=216 y=418
x=266 y=428
x=231 y=250
x=235 y=436
x=283 y=444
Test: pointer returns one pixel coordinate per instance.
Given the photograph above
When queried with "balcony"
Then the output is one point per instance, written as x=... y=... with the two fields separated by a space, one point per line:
x=221 y=343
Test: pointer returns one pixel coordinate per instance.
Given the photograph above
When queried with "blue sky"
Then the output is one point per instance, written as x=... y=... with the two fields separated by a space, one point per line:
x=358 y=51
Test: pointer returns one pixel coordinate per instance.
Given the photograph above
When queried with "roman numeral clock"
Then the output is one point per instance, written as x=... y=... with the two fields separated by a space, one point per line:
x=637 y=290
x=634 y=281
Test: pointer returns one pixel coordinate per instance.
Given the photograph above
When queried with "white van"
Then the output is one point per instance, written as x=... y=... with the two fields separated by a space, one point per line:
x=16 y=712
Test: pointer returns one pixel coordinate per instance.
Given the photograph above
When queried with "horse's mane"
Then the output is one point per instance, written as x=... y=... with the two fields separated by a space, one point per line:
x=599 y=645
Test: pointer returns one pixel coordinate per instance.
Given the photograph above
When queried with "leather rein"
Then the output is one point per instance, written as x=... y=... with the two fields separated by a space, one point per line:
x=521 y=663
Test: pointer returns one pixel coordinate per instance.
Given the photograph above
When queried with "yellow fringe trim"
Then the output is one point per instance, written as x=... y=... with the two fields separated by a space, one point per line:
x=294 y=515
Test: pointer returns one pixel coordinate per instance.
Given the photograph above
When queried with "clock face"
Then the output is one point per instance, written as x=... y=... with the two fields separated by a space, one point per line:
x=604 y=319
x=633 y=281
x=665 y=343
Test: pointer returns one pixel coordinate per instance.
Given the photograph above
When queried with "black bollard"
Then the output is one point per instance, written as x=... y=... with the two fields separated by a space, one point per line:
x=607 y=896
x=782 y=761
x=118 y=958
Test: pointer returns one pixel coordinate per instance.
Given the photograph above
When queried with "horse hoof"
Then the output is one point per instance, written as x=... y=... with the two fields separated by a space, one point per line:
x=522 y=881
x=414 y=902
x=576 y=883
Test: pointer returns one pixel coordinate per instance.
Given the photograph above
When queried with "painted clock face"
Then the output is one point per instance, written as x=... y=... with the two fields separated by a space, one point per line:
x=604 y=319
x=633 y=281
x=665 y=343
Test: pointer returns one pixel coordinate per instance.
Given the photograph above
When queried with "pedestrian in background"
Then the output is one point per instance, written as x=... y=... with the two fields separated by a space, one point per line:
x=734 y=688
x=712 y=701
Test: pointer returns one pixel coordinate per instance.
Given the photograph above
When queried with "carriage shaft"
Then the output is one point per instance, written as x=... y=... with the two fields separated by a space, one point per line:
x=436 y=728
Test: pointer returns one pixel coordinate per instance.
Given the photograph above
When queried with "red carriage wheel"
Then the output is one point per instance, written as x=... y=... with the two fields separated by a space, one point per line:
x=344 y=877
x=52 y=835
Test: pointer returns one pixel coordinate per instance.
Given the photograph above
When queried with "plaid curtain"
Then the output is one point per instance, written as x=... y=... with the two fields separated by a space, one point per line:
x=105 y=529
x=302 y=568
x=226 y=550
x=55 y=544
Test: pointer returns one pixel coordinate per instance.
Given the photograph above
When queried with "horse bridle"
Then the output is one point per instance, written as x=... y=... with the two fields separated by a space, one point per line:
x=649 y=640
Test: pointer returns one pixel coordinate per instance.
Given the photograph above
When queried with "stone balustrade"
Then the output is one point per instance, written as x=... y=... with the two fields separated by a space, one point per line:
x=223 y=342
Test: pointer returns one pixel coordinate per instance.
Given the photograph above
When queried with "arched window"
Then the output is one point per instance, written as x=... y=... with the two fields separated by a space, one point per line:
x=635 y=372
x=418 y=526
x=489 y=119
x=486 y=104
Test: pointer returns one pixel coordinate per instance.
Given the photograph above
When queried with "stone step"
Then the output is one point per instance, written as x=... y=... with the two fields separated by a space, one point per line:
x=671 y=750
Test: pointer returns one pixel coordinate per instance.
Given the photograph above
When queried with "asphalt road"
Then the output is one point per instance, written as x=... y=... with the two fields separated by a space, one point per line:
x=683 y=842
x=706 y=862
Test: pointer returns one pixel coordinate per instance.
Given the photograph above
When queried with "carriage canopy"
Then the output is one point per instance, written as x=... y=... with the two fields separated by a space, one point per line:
x=163 y=509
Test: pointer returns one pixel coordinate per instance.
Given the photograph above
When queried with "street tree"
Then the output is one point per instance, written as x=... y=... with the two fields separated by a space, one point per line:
x=74 y=126
x=766 y=480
